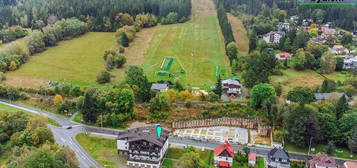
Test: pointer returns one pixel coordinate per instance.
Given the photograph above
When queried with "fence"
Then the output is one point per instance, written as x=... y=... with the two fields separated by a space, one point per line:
x=225 y=121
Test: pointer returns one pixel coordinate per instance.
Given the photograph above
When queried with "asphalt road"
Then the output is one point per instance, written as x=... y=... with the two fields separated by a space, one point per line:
x=66 y=137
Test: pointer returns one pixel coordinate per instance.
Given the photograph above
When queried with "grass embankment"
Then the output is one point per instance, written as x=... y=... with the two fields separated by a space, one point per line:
x=77 y=61
x=340 y=152
x=102 y=150
x=240 y=34
x=13 y=109
x=292 y=78
x=173 y=155
x=197 y=48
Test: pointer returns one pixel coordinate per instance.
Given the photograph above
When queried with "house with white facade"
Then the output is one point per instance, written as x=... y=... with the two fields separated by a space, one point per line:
x=232 y=87
x=144 y=146
x=283 y=26
x=223 y=155
x=349 y=62
x=160 y=87
x=273 y=37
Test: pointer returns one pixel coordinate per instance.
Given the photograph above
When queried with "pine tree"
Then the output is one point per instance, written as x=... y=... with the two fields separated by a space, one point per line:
x=124 y=40
x=341 y=107
x=218 y=90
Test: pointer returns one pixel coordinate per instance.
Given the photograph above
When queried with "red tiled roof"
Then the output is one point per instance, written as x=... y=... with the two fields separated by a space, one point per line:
x=351 y=164
x=225 y=146
x=223 y=164
x=252 y=157
x=285 y=54
x=322 y=160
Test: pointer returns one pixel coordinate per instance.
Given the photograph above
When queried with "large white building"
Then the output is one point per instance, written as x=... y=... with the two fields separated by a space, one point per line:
x=145 y=146
x=273 y=37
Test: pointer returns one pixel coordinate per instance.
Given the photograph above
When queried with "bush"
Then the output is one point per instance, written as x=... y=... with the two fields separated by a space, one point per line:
x=188 y=104
x=103 y=77
x=2 y=77
x=66 y=107
x=171 y=18
x=119 y=61
x=12 y=33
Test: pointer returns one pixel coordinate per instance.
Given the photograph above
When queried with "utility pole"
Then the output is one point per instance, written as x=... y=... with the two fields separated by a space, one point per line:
x=308 y=152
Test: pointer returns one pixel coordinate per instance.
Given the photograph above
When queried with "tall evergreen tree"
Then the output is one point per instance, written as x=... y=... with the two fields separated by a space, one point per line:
x=341 y=107
x=218 y=89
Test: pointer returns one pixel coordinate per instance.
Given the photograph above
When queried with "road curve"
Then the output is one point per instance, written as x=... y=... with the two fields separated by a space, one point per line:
x=63 y=136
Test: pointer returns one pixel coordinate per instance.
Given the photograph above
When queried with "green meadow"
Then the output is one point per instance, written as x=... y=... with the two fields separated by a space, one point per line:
x=77 y=61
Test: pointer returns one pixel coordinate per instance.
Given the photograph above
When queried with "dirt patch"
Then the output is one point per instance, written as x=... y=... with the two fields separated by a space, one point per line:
x=240 y=34
x=205 y=7
x=137 y=50
x=25 y=82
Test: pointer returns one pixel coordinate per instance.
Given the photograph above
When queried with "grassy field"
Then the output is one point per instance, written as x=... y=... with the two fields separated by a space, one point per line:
x=292 y=78
x=173 y=155
x=102 y=150
x=77 y=61
x=197 y=48
x=240 y=35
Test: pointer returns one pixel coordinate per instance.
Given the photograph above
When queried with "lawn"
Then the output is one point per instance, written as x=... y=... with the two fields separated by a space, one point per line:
x=340 y=152
x=197 y=48
x=77 y=61
x=339 y=76
x=240 y=34
x=102 y=150
x=292 y=78
x=13 y=109
x=173 y=155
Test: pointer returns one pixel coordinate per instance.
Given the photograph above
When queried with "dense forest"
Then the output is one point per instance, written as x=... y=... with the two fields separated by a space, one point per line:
x=100 y=14
x=341 y=16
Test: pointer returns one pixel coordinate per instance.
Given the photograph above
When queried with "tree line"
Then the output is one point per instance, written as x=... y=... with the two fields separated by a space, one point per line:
x=100 y=14
x=341 y=15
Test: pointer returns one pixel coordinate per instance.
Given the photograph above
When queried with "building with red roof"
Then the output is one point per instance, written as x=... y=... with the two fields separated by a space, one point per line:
x=321 y=160
x=252 y=158
x=283 y=56
x=223 y=155
x=350 y=164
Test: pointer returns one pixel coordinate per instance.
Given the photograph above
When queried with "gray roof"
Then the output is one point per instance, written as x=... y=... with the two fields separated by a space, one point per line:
x=325 y=96
x=145 y=133
x=279 y=152
x=159 y=86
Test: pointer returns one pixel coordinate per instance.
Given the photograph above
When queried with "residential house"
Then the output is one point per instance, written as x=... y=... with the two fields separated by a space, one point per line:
x=349 y=62
x=321 y=160
x=354 y=33
x=318 y=40
x=144 y=146
x=252 y=158
x=232 y=87
x=339 y=49
x=160 y=87
x=307 y=22
x=283 y=56
x=294 y=18
x=273 y=37
x=278 y=158
x=283 y=26
x=223 y=155
x=350 y=164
